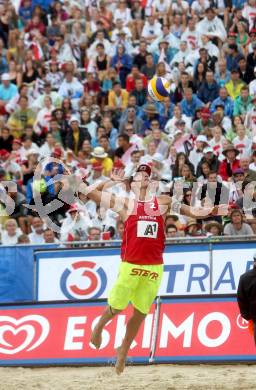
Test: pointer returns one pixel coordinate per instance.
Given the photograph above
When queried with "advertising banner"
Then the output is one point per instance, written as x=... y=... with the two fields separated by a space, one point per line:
x=90 y=274
x=60 y=334
x=229 y=261
x=203 y=329
x=187 y=330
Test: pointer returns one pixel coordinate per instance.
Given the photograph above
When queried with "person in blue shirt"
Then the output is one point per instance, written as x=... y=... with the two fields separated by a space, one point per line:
x=7 y=91
x=151 y=113
x=225 y=101
x=190 y=103
x=25 y=11
x=209 y=90
x=44 y=4
x=166 y=108
x=122 y=62
x=233 y=57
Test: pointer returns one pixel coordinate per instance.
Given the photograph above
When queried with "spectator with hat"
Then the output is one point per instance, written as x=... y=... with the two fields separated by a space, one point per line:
x=99 y=155
x=151 y=113
x=236 y=185
x=196 y=154
x=202 y=125
x=74 y=226
x=213 y=228
x=210 y=158
x=230 y=163
x=96 y=175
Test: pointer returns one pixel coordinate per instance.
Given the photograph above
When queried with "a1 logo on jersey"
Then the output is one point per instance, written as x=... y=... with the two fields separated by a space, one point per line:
x=147 y=229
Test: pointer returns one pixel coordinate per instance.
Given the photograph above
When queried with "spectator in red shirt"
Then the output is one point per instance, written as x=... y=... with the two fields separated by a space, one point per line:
x=230 y=164
x=35 y=26
x=135 y=75
x=91 y=86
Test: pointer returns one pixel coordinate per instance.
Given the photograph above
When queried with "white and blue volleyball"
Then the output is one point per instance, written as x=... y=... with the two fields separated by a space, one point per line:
x=159 y=88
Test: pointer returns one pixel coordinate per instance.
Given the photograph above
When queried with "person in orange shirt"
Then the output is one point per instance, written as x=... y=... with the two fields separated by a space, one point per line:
x=118 y=97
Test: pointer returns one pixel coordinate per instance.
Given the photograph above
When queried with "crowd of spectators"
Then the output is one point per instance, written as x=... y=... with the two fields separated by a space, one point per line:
x=74 y=87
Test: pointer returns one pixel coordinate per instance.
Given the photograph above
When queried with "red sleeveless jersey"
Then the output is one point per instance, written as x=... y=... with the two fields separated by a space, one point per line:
x=144 y=235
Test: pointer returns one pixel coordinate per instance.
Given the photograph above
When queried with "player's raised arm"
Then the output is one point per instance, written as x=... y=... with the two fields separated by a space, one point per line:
x=99 y=194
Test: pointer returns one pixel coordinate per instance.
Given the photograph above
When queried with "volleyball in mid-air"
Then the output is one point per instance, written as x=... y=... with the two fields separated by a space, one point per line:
x=159 y=88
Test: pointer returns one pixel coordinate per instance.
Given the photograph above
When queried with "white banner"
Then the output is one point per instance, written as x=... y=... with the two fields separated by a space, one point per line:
x=80 y=274
x=87 y=276
x=227 y=266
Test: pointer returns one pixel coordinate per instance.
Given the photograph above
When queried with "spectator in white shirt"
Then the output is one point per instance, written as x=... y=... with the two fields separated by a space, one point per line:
x=191 y=35
x=123 y=13
x=47 y=148
x=71 y=88
x=120 y=28
x=49 y=237
x=152 y=29
x=177 y=115
x=212 y=26
x=100 y=38
x=217 y=140
x=55 y=97
x=37 y=235
x=64 y=51
x=241 y=141
x=11 y=232
x=196 y=154
x=75 y=225
x=44 y=116
x=249 y=12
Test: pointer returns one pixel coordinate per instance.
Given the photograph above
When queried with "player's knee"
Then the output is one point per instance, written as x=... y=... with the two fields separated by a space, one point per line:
x=114 y=311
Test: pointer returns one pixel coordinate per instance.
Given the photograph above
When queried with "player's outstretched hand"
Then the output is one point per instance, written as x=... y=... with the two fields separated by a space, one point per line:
x=220 y=210
x=117 y=175
x=201 y=212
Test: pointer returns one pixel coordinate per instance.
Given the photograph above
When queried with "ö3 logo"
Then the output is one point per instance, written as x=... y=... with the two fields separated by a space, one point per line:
x=83 y=279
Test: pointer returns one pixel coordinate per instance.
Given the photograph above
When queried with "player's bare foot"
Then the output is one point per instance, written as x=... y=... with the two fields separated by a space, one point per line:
x=96 y=337
x=120 y=361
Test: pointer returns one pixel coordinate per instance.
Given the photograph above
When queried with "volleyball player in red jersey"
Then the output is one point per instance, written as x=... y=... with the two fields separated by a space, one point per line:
x=142 y=249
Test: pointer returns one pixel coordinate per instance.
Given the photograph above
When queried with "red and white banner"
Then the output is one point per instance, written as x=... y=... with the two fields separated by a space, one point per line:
x=60 y=334
x=203 y=329
x=188 y=330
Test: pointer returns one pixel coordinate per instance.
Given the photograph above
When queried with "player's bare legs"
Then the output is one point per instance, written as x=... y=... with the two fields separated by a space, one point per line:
x=132 y=328
x=108 y=314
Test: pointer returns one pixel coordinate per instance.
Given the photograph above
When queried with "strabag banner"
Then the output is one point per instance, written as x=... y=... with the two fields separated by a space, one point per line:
x=202 y=329
x=188 y=270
